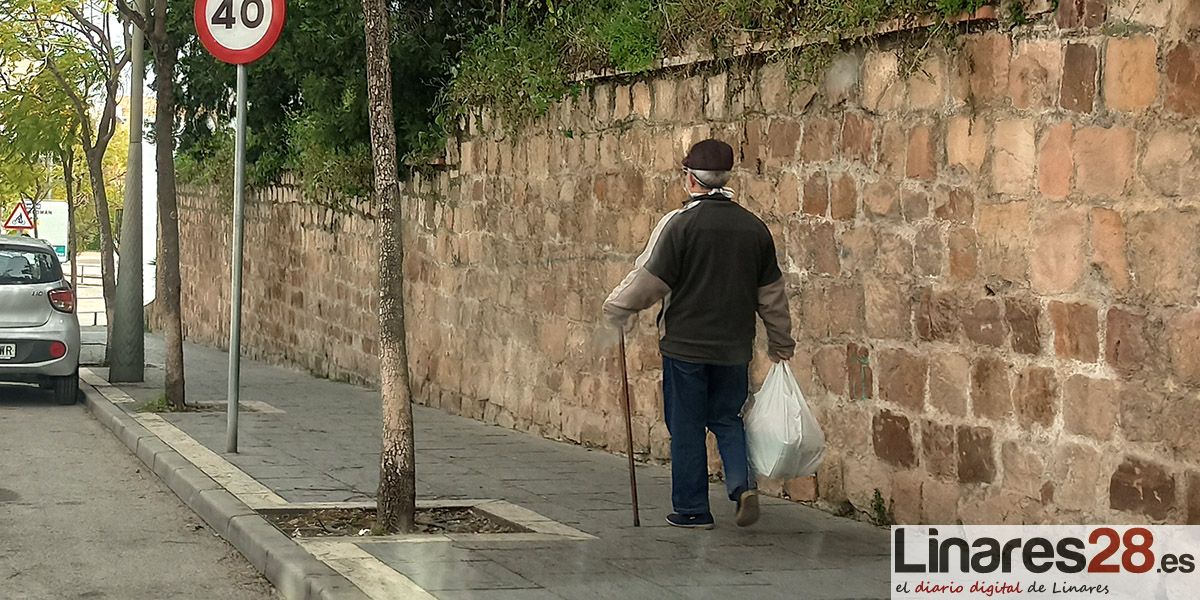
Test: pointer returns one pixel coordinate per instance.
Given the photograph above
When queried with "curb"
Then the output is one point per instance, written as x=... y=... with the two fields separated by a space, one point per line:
x=296 y=574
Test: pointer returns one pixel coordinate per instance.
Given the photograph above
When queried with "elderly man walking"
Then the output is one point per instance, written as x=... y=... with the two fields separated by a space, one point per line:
x=713 y=265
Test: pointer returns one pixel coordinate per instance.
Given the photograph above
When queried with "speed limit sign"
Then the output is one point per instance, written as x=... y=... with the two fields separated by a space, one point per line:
x=239 y=32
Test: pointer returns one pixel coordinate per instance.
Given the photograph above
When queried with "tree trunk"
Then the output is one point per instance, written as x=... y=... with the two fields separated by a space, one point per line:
x=397 y=467
x=168 y=296
x=108 y=276
x=68 y=168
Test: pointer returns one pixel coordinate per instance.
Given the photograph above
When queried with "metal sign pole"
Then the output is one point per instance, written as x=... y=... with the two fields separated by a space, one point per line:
x=235 y=293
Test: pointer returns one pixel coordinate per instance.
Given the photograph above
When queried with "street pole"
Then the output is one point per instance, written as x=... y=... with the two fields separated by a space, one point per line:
x=127 y=363
x=235 y=301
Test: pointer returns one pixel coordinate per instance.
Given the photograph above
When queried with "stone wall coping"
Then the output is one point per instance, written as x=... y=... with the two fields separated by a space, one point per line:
x=740 y=49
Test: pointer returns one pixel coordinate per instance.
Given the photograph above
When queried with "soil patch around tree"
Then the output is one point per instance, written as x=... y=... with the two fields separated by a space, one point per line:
x=343 y=522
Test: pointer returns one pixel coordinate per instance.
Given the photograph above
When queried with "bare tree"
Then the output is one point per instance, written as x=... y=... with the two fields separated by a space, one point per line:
x=397 y=464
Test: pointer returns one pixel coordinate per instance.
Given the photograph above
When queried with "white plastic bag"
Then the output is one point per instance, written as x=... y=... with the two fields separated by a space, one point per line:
x=782 y=435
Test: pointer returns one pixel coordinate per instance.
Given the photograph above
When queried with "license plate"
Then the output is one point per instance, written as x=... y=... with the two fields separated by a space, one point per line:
x=8 y=351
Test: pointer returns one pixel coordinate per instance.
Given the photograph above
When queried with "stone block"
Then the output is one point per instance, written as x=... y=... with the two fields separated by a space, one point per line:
x=914 y=205
x=1150 y=14
x=788 y=195
x=1024 y=470
x=991 y=388
x=967 y=143
x=816 y=195
x=1079 y=474
x=813 y=246
x=1076 y=330
x=641 y=100
x=882 y=86
x=964 y=254
x=927 y=86
x=929 y=251
x=1035 y=396
x=830 y=365
x=1143 y=416
x=957 y=206
x=843 y=197
x=893 y=149
x=1104 y=160
x=882 y=200
x=1163 y=252
x=1073 y=14
x=840 y=82
x=847 y=426
x=1142 y=487
x=1003 y=232
x=858 y=137
x=939 y=502
x=782 y=138
x=902 y=378
x=1169 y=166
x=1024 y=321
x=984 y=323
x=938 y=451
x=892 y=439
x=936 y=316
x=859 y=372
x=1125 y=346
x=1036 y=74
x=905 y=500
x=859 y=249
x=1184 y=345
x=1183 y=79
x=1055 y=162
x=923 y=156
x=1057 y=258
x=803 y=489
x=949 y=383
x=1131 y=73
x=1078 y=91
x=1108 y=247
x=889 y=309
x=820 y=139
x=986 y=62
x=773 y=88
x=976 y=455
x=1090 y=407
x=1014 y=157
x=716 y=98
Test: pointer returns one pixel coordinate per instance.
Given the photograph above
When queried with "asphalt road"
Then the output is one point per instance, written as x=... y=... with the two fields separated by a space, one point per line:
x=81 y=517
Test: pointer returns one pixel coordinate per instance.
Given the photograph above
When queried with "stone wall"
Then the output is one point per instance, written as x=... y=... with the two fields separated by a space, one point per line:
x=994 y=268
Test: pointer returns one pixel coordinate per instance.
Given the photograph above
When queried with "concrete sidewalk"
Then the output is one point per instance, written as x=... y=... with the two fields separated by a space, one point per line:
x=317 y=441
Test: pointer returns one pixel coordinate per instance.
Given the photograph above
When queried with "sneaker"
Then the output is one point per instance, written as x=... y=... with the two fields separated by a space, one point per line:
x=747 y=508
x=704 y=521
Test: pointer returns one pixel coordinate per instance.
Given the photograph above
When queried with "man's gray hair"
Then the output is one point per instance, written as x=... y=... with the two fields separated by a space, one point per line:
x=712 y=179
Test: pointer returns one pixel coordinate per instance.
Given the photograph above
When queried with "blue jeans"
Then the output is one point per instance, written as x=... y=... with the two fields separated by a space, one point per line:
x=696 y=397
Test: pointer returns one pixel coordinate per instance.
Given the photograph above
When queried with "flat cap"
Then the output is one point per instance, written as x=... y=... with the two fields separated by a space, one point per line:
x=710 y=155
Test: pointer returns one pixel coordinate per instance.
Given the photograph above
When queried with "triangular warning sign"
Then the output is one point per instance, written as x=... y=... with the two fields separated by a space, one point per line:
x=19 y=219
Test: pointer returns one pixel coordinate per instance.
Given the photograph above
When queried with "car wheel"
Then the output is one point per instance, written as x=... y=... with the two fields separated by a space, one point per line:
x=66 y=389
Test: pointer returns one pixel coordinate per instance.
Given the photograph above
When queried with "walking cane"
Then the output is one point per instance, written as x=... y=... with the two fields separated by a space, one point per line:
x=628 y=432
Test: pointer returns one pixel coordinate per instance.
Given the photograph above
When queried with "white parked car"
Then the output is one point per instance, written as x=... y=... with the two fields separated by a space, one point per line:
x=39 y=331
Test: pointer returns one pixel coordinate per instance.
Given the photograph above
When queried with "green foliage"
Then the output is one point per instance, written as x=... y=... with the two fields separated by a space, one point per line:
x=308 y=108
x=520 y=67
x=881 y=512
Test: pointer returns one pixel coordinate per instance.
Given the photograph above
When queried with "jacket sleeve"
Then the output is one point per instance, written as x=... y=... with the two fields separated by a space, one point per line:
x=773 y=309
x=640 y=289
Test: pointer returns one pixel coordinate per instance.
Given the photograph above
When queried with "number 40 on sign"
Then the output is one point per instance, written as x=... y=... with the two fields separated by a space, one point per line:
x=239 y=31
